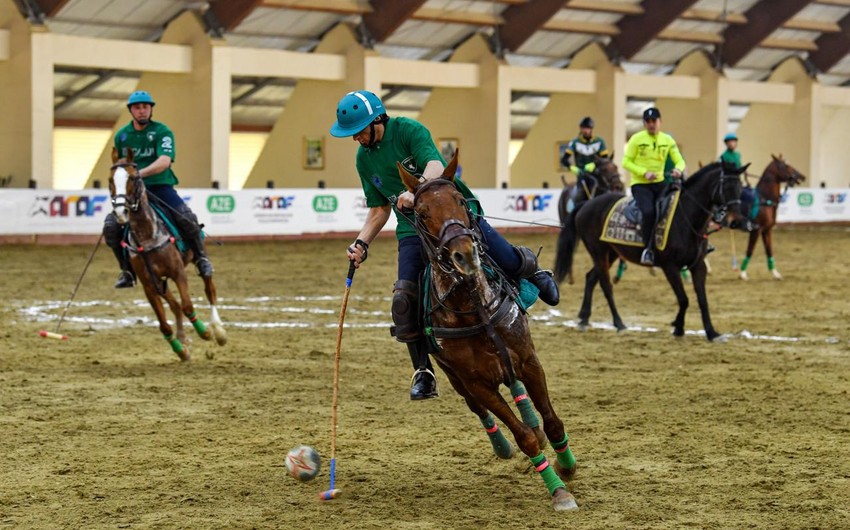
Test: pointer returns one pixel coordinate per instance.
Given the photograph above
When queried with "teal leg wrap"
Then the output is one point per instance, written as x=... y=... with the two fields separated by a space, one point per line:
x=198 y=324
x=524 y=405
x=771 y=263
x=550 y=478
x=745 y=263
x=565 y=454
x=621 y=268
x=176 y=345
x=501 y=446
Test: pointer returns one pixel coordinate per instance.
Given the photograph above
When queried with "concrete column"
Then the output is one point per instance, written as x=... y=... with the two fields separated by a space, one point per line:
x=309 y=113
x=698 y=125
x=792 y=130
x=479 y=118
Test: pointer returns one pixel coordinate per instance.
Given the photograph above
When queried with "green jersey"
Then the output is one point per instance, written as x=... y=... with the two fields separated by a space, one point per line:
x=731 y=157
x=155 y=140
x=584 y=151
x=407 y=142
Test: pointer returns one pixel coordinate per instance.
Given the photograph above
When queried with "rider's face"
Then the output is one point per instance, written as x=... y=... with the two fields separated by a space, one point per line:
x=653 y=125
x=364 y=136
x=586 y=132
x=141 y=112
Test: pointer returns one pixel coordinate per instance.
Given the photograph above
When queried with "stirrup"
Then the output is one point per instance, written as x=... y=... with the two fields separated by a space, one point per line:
x=423 y=385
x=125 y=280
x=205 y=267
x=647 y=257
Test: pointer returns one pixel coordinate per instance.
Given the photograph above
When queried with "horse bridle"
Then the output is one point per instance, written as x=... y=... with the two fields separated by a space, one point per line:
x=722 y=205
x=122 y=199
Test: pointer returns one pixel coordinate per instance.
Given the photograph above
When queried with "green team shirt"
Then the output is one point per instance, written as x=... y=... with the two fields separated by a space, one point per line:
x=731 y=157
x=584 y=150
x=408 y=142
x=646 y=152
x=148 y=144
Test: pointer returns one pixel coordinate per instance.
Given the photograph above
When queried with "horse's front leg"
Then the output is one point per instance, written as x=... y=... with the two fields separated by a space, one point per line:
x=164 y=327
x=217 y=325
x=178 y=315
x=186 y=305
x=675 y=278
x=604 y=266
x=751 y=245
x=590 y=281
x=767 y=238
x=489 y=396
x=699 y=274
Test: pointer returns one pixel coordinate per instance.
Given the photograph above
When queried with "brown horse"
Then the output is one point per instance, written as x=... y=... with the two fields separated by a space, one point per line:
x=155 y=258
x=604 y=178
x=483 y=335
x=766 y=202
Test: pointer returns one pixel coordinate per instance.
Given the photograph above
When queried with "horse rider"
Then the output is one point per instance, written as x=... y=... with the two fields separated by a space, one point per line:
x=152 y=143
x=645 y=157
x=731 y=155
x=584 y=148
x=384 y=142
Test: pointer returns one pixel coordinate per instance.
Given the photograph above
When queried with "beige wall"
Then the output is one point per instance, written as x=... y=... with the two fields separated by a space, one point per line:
x=835 y=156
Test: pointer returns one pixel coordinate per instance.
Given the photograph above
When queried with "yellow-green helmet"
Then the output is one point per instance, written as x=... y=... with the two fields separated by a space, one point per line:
x=355 y=111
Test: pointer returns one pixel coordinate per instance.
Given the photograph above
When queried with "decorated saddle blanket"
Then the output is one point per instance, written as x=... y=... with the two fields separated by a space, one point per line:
x=169 y=226
x=622 y=228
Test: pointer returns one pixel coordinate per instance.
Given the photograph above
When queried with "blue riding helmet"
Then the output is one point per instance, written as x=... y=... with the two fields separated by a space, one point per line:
x=730 y=136
x=355 y=111
x=140 y=96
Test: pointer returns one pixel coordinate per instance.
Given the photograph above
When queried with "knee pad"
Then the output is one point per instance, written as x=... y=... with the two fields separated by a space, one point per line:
x=187 y=222
x=528 y=262
x=405 y=311
x=113 y=231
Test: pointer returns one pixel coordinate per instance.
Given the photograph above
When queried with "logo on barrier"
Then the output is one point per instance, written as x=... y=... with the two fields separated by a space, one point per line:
x=805 y=199
x=325 y=203
x=527 y=203
x=221 y=203
x=836 y=198
x=70 y=206
x=273 y=203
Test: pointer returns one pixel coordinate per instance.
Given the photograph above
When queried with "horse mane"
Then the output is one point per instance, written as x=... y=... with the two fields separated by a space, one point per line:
x=701 y=172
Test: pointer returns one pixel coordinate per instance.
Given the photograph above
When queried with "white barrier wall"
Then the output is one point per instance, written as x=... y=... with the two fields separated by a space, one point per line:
x=249 y=212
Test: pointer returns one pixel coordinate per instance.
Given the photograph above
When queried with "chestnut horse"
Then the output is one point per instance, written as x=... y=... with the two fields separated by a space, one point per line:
x=768 y=195
x=155 y=258
x=604 y=178
x=713 y=186
x=483 y=335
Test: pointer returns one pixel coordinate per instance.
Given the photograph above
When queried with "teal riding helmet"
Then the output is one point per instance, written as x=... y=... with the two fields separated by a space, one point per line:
x=355 y=111
x=140 y=96
x=730 y=136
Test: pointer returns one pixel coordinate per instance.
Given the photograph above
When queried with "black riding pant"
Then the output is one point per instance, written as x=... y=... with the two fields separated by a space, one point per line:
x=646 y=196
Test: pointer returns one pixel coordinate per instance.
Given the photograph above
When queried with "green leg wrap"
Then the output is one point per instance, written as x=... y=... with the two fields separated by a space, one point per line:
x=550 y=478
x=771 y=263
x=744 y=263
x=197 y=323
x=621 y=268
x=501 y=446
x=564 y=453
x=176 y=345
x=524 y=405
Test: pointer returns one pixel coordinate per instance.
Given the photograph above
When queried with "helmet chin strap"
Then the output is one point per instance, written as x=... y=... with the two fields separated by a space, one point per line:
x=372 y=141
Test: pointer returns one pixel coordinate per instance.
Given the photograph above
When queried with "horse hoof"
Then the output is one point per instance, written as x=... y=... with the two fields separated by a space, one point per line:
x=220 y=334
x=207 y=335
x=565 y=474
x=744 y=276
x=541 y=437
x=184 y=355
x=562 y=500
x=616 y=280
x=720 y=338
x=776 y=275
x=620 y=327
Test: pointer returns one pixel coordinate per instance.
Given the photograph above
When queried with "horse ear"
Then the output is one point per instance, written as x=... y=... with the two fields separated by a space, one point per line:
x=699 y=164
x=409 y=180
x=743 y=169
x=129 y=154
x=451 y=169
x=774 y=156
x=114 y=155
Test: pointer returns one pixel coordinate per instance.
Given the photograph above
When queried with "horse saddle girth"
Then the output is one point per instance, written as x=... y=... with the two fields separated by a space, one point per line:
x=622 y=225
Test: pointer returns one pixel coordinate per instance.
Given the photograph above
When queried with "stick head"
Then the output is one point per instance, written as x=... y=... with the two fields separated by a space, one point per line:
x=329 y=494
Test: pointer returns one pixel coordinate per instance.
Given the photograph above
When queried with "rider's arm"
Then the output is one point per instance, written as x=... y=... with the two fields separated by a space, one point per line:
x=376 y=218
x=630 y=155
x=433 y=169
x=159 y=165
x=676 y=156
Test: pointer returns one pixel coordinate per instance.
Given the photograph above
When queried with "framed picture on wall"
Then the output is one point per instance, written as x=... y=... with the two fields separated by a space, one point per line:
x=313 y=152
x=448 y=146
x=560 y=149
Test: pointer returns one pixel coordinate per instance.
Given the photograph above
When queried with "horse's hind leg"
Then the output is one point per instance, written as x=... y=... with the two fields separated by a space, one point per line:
x=177 y=310
x=527 y=441
x=767 y=238
x=216 y=323
x=751 y=245
x=699 y=273
x=590 y=280
x=189 y=308
x=604 y=276
x=674 y=276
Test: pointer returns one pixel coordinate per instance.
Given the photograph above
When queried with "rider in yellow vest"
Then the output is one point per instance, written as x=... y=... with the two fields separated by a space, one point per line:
x=646 y=154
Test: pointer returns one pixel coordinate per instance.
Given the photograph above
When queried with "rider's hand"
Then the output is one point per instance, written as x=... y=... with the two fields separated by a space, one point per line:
x=650 y=176
x=405 y=201
x=676 y=173
x=357 y=252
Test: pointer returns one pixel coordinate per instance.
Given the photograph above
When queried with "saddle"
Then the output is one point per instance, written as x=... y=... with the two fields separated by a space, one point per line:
x=169 y=225
x=622 y=226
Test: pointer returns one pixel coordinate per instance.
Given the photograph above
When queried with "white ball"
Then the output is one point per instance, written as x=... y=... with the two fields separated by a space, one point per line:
x=303 y=463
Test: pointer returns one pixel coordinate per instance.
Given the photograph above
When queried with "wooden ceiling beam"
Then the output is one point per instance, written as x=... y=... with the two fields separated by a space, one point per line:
x=342 y=7
x=232 y=12
x=764 y=18
x=458 y=17
x=789 y=44
x=605 y=6
x=51 y=8
x=702 y=37
x=581 y=27
x=388 y=15
x=638 y=30
x=708 y=15
x=522 y=21
x=832 y=47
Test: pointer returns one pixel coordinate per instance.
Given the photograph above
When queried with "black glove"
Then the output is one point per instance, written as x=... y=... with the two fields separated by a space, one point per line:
x=362 y=244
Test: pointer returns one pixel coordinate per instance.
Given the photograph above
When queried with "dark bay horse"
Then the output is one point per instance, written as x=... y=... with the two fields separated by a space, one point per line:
x=483 y=335
x=765 y=205
x=155 y=258
x=604 y=178
x=713 y=186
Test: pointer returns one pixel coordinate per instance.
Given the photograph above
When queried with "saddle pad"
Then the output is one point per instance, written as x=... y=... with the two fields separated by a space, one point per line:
x=182 y=247
x=617 y=229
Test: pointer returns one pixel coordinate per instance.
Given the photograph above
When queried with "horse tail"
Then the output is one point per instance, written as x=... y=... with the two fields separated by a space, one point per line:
x=566 y=247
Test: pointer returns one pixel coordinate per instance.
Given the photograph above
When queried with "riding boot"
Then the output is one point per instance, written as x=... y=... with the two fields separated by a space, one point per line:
x=127 y=278
x=647 y=257
x=542 y=279
x=189 y=227
x=423 y=385
x=202 y=262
